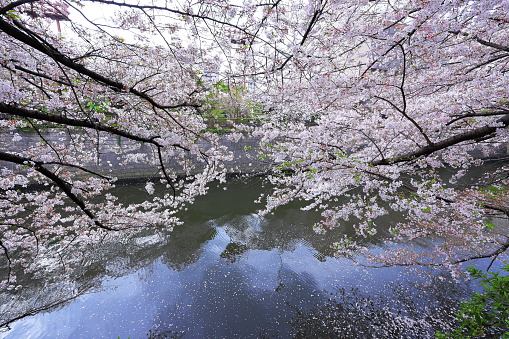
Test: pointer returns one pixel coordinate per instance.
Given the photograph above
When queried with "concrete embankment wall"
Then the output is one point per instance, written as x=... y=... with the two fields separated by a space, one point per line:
x=111 y=151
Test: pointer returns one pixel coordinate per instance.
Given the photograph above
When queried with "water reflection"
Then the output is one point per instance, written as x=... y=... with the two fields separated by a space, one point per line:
x=401 y=313
x=227 y=272
x=232 y=251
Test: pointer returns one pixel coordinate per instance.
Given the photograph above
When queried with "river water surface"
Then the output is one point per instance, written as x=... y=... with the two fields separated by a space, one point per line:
x=228 y=273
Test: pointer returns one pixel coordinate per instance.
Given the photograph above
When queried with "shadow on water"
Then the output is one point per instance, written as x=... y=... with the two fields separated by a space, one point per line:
x=227 y=272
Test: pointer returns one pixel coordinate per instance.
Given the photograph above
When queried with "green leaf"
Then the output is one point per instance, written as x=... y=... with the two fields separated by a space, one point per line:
x=489 y=225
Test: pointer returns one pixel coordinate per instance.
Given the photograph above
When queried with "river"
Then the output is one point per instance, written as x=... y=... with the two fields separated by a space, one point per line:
x=229 y=273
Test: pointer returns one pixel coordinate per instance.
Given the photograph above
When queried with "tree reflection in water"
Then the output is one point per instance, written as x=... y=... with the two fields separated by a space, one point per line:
x=227 y=272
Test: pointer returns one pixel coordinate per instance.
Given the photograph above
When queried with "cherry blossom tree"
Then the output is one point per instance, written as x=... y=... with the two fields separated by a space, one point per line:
x=366 y=103
x=400 y=93
x=88 y=86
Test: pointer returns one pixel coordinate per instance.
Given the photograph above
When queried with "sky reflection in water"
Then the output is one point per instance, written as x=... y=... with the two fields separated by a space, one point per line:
x=227 y=273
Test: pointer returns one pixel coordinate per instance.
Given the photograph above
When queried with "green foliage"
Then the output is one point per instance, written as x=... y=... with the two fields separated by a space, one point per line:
x=97 y=106
x=285 y=165
x=255 y=108
x=217 y=130
x=485 y=315
x=496 y=191
x=11 y=15
x=222 y=87
x=224 y=102
x=217 y=112
x=489 y=225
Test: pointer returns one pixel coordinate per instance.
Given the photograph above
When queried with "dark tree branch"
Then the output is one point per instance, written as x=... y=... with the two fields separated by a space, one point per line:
x=41 y=75
x=272 y=6
x=407 y=117
x=184 y=14
x=472 y=115
x=36 y=311
x=28 y=37
x=34 y=234
x=397 y=43
x=498 y=57
x=504 y=247
x=166 y=9
x=13 y=5
x=504 y=210
x=493 y=255
x=474 y=134
x=59 y=119
x=33 y=114
x=482 y=41
x=403 y=97
x=491 y=44
x=65 y=187
x=66 y=164
x=316 y=16
x=40 y=87
x=43 y=138
x=163 y=169
x=9 y=262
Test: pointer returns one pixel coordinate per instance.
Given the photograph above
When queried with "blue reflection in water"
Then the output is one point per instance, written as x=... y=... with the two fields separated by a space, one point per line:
x=249 y=277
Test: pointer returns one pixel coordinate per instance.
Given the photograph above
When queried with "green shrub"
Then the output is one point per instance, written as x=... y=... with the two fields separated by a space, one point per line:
x=486 y=314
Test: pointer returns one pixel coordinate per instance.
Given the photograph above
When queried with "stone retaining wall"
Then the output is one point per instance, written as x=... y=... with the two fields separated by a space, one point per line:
x=112 y=148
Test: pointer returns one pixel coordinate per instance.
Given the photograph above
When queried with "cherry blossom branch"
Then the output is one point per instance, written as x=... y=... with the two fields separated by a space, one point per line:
x=195 y=16
x=403 y=96
x=262 y=22
x=65 y=187
x=491 y=44
x=43 y=138
x=39 y=74
x=504 y=210
x=407 y=117
x=504 y=247
x=34 y=234
x=36 y=311
x=482 y=41
x=174 y=11
x=39 y=86
x=316 y=16
x=13 y=5
x=493 y=255
x=163 y=168
x=480 y=114
x=396 y=44
x=84 y=169
x=474 y=134
x=26 y=113
x=33 y=40
x=498 y=57
x=59 y=119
